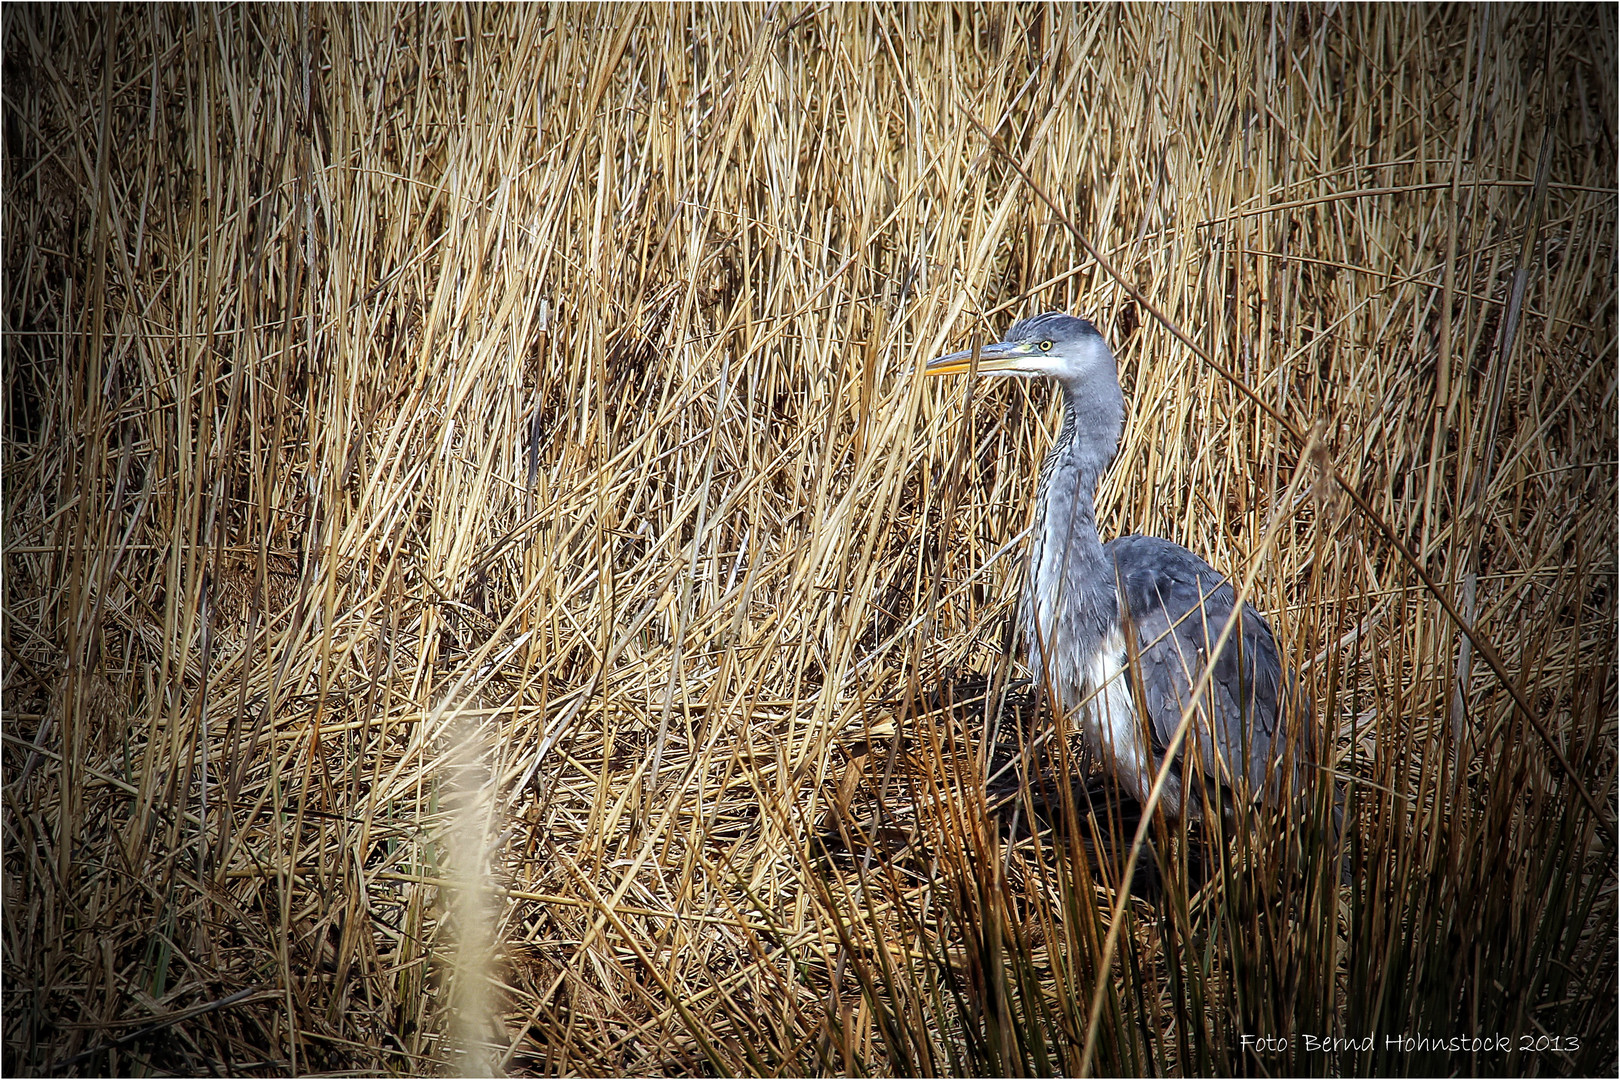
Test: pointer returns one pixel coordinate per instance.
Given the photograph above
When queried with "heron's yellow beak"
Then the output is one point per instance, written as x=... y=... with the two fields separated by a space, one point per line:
x=998 y=356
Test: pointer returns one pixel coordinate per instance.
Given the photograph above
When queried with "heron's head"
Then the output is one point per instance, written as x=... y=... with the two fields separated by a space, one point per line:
x=1054 y=345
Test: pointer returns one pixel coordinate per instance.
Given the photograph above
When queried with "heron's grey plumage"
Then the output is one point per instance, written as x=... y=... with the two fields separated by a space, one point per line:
x=1131 y=624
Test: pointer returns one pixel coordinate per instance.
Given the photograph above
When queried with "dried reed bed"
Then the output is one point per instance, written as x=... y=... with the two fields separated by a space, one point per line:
x=396 y=396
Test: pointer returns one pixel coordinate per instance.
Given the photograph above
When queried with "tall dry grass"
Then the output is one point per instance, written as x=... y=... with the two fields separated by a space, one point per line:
x=397 y=396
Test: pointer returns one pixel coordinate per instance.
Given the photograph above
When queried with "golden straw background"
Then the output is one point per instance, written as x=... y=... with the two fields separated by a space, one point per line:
x=453 y=445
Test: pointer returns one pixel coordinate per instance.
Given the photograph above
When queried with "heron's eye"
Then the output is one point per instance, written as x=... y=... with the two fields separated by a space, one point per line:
x=1046 y=346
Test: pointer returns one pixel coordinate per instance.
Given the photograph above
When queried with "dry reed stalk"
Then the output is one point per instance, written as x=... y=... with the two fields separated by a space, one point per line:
x=560 y=363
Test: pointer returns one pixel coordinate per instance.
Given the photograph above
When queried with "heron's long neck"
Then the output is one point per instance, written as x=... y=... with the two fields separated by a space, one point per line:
x=1070 y=596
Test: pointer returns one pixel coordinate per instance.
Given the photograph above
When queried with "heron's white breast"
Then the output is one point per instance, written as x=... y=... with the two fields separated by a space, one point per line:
x=1046 y=589
x=1110 y=720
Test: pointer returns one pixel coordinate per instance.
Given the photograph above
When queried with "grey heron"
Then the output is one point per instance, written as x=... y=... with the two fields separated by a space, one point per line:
x=1127 y=627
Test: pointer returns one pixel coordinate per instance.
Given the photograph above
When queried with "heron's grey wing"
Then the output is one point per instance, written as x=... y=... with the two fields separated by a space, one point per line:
x=1178 y=605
